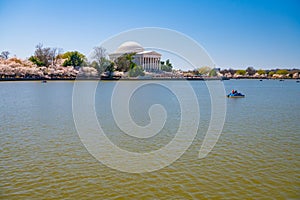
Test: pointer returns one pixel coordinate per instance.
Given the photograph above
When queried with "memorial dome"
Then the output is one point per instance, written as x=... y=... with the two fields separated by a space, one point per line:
x=129 y=47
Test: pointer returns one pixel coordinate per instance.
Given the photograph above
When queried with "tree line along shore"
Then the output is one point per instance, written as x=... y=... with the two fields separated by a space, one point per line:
x=52 y=64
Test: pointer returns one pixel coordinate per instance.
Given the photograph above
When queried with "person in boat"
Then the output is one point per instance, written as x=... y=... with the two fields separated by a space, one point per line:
x=232 y=92
x=235 y=92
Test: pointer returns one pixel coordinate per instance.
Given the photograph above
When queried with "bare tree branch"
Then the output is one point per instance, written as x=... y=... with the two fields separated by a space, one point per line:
x=4 y=54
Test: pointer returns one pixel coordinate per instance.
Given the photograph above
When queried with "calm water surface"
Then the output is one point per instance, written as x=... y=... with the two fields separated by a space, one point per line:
x=257 y=155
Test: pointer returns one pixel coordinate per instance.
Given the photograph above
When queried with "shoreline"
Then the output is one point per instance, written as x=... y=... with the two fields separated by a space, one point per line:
x=140 y=79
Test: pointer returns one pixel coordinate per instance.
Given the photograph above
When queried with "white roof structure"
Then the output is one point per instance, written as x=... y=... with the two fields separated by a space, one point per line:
x=148 y=52
x=129 y=47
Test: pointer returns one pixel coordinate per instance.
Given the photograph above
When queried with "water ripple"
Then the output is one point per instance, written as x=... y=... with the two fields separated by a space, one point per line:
x=41 y=156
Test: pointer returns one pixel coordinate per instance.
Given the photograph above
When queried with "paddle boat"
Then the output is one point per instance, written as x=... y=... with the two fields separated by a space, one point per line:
x=235 y=94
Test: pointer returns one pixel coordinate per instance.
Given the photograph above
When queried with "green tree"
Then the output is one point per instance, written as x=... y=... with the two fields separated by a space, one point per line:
x=212 y=73
x=241 y=72
x=282 y=72
x=261 y=71
x=36 y=61
x=136 y=71
x=125 y=62
x=168 y=63
x=73 y=58
x=110 y=68
x=271 y=73
x=166 y=66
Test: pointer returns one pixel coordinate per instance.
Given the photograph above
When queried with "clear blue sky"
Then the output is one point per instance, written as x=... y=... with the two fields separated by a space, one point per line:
x=237 y=34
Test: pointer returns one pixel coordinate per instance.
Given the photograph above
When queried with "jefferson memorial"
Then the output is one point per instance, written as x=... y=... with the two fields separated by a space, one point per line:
x=149 y=60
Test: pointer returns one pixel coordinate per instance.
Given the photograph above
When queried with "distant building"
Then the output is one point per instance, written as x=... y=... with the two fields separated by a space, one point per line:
x=149 y=60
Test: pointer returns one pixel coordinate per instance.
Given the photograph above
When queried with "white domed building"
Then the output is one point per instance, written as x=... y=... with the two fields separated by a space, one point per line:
x=149 y=60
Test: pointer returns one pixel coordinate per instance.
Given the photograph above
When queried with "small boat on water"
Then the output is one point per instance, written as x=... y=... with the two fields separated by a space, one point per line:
x=44 y=81
x=235 y=94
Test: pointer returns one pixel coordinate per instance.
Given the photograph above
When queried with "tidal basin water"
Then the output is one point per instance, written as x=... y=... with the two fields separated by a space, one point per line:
x=257 y=155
